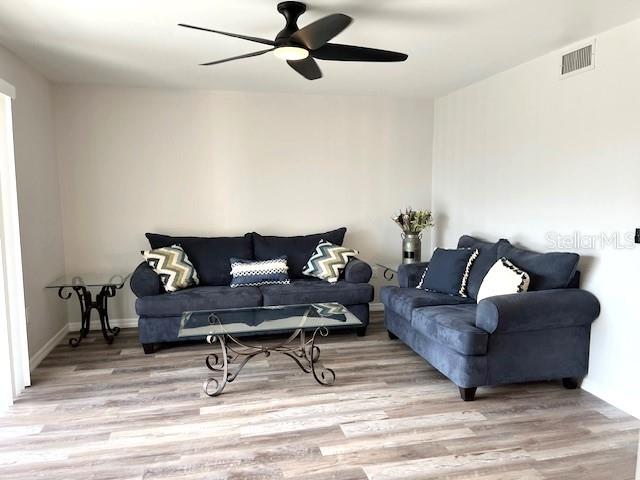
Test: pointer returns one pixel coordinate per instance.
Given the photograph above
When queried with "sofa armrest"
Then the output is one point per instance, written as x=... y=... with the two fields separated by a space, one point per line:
x=409 y=275
x=541 y=310
x=145 y=282
x=357 y=271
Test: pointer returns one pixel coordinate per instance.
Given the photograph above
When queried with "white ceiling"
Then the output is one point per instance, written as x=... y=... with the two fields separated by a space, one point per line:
x=451 y=43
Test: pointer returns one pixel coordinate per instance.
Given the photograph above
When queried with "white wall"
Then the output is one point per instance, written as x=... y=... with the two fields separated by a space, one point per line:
x=38 y=198
x=216 y=163
x=524 y=153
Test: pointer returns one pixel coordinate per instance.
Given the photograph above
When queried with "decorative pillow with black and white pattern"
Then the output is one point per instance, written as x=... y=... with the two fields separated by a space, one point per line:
x=448 y=271
x=250 y=273
x=328 y=261
x=173 y=267
x=502 y=279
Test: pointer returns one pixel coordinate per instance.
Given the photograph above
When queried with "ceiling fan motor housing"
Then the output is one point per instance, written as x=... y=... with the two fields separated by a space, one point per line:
x=300 y=48
x=291 y=12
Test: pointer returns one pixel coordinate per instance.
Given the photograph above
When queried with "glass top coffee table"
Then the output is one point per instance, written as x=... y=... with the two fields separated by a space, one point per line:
x=303 y=323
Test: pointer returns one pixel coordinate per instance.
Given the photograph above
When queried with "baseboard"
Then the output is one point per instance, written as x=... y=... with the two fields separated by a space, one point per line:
x=114 y=322
x=376 y=307
x=621 y=401
x=53 y=342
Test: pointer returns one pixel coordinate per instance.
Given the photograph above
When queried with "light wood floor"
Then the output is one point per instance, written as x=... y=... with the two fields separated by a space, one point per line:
x=110 y=412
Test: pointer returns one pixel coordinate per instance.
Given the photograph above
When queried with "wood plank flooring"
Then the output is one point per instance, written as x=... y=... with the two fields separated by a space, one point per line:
x=111 y=412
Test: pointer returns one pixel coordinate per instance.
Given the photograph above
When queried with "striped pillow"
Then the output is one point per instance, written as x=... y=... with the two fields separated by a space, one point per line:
x=328 y=261
x=173 y=267
x=249 y=273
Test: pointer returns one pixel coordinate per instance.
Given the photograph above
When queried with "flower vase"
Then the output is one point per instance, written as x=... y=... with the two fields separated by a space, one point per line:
x=411 y=248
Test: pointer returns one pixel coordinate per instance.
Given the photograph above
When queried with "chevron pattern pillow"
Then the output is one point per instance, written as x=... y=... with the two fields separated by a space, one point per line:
x=249 y=273
x=172 y=266
x=328 y=261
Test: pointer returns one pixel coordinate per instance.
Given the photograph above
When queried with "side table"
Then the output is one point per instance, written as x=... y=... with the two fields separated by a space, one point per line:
x=388 y=272
x=81 y=284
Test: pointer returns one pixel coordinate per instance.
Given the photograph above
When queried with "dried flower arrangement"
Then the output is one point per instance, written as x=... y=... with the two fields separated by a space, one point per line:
x=413 y=222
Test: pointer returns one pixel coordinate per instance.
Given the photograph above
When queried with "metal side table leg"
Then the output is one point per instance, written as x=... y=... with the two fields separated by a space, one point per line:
x=84 y=299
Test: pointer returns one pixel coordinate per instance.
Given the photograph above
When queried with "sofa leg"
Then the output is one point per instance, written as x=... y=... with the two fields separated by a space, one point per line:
x=362 y=331
x=467 y=394
x=148 y=348
x=392 y=336
x=570 y=383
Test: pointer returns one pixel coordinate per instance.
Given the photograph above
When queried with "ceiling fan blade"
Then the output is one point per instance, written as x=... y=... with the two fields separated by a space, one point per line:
x=308 y=68
x=246 y=55
x=351 y=53
x=318 y=33
x=234 y=35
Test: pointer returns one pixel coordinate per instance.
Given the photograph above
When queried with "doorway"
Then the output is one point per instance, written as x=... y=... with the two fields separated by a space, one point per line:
x=14 y=351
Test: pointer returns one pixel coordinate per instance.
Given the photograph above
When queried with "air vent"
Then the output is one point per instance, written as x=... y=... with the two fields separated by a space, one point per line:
x=577 y=61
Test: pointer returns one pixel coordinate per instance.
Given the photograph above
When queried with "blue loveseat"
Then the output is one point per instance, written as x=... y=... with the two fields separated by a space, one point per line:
x=160 y=312
x=542 y=334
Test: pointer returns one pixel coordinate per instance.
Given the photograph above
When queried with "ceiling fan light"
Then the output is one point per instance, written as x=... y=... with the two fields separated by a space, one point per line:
x=291 y=53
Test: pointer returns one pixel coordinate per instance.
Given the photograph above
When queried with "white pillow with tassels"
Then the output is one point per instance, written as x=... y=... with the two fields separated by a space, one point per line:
x=502 y=279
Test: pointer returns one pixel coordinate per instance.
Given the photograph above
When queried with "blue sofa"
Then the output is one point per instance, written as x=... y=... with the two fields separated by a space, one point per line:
x=160 y=312
x=542 y=334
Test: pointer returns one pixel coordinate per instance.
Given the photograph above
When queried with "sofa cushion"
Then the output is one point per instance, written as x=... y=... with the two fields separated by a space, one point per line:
x=487 y=256
x=453 y=326
x=210 y=256
x=448 y=271
x=404 y=300
x=316 y=291
x=546 y=270
x=198 y=298
x=297 y=249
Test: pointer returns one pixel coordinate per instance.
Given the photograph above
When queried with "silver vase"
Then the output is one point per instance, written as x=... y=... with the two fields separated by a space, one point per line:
x=411 y=248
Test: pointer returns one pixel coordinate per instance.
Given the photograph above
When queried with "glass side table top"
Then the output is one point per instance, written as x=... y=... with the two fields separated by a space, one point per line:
x=392 y=268
x=388 y=271
x=89 y=280
x=257 y=320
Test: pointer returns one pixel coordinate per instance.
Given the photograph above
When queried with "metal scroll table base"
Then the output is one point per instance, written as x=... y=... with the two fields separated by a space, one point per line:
x=87 y=305
x=305 y=353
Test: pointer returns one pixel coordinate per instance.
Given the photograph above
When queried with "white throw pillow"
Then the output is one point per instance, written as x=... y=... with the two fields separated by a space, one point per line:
x=502 y=279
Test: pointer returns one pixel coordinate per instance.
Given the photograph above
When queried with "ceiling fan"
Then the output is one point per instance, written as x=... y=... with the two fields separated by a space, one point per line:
x=301 y=46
